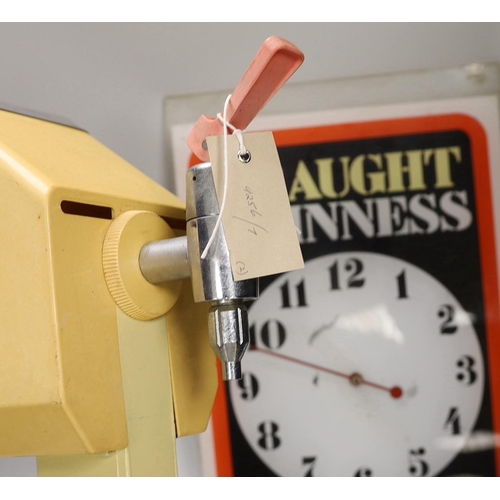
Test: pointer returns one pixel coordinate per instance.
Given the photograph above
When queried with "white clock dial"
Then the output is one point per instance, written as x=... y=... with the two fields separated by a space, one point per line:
x=365 y=365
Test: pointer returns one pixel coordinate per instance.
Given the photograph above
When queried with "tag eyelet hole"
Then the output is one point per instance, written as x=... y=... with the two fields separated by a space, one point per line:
x=244 y=157
x=194 y=177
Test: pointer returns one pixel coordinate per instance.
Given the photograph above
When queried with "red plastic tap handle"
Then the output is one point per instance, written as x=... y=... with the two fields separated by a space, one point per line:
x=276 y=61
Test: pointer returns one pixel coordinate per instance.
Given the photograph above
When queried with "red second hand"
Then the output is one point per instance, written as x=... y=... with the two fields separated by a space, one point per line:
x=355 y=378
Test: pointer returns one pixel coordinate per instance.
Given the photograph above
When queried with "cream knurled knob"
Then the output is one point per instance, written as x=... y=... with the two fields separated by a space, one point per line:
x=133 y=294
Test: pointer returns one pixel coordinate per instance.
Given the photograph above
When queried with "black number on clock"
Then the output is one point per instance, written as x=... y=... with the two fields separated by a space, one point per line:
x=363 y=472
x=467 y=374
x=453 y=421
x=402 y=290
x=269 y=439
x=272 y=334
x=447 y=313
x=310 y=462
x=300 y=292
x=249 y=386
x=354 y=280
x=418 y=466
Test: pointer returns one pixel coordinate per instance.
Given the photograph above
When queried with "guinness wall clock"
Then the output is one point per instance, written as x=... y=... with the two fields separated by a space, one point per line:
x=382 y=356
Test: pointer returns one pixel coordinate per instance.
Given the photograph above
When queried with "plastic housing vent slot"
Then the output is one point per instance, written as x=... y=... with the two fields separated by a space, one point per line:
x=86 y=210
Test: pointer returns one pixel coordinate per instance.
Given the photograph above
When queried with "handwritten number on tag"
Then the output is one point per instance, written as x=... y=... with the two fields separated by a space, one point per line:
x=241 y=268
x=249 y=195
x=253 y=211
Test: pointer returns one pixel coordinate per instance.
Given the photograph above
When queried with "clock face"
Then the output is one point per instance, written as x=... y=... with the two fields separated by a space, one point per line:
x=383 y=376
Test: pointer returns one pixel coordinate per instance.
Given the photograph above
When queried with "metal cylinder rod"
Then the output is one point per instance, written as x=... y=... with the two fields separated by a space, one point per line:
x=165 y=260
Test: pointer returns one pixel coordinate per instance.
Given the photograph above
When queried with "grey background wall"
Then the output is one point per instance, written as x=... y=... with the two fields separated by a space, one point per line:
x=112 y=80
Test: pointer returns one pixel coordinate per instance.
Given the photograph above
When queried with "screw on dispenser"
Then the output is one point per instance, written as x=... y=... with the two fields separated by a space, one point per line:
x=179 y=258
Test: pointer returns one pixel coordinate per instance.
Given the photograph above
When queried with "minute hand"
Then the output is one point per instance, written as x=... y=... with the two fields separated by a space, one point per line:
x=355 y=378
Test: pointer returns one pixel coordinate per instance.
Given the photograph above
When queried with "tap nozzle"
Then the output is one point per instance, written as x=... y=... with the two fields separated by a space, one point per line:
x=228 y=334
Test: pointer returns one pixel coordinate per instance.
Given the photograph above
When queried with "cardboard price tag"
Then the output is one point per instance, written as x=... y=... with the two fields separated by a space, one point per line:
x=257 y=218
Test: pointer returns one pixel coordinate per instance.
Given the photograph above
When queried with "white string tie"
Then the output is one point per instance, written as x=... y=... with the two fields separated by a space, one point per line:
x=237 y=132
x=243 y=151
